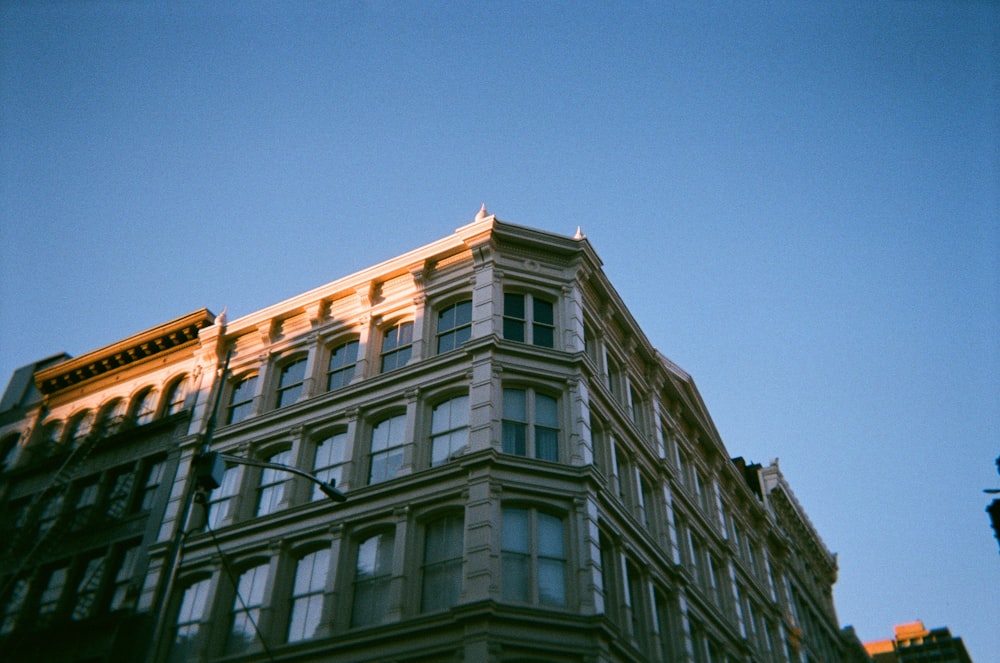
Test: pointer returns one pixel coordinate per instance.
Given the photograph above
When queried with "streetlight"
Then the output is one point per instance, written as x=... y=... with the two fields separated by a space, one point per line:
x=211 y=465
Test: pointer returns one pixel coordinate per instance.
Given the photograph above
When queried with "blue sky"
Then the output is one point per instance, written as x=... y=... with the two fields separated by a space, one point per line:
x=798 y=202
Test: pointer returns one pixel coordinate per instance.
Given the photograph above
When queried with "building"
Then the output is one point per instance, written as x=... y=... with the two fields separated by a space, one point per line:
x=913 y=643
x=527 y=479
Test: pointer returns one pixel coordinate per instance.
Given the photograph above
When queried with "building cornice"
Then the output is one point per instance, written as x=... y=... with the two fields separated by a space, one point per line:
x=157 y=340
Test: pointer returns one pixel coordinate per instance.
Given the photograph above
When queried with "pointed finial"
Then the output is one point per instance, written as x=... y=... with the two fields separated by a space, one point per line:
x=482 y=213
x=579 y=234
x=220 y=320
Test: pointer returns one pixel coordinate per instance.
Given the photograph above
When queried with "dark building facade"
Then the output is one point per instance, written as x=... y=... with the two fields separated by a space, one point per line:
x=913 y=643
x=527 y=479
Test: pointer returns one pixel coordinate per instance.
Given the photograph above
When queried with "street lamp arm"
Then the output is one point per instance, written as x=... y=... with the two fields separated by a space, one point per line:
x=328 y=488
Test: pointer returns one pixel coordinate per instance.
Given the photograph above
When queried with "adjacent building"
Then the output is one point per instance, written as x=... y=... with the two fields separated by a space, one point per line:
x=913 y=643
x=527 y=479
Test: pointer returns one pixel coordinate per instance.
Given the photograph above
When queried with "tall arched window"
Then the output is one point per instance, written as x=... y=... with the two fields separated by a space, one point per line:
x=175 y=395
x=246 y=609
x=191 y=613
x=388 y=437
x=372 y=574
x=145 y=406
x=442 y=570
x=79 y=427
x=533 y=557
x=449 y=429
x=273 y=483
x=307 y=594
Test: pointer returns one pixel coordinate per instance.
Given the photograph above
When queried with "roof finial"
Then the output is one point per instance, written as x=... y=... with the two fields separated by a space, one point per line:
x=482 y=213
x=579 y=234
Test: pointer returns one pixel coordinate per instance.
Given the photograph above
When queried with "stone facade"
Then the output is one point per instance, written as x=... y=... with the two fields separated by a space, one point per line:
x=527 y=479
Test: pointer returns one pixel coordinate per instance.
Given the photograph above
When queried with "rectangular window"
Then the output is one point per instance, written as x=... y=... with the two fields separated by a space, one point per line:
x=127 y=566
x=442 y=572
x=397 y=346
x=530 y=424
x=189 y=618
x=533 y=559
x=340 y=370
x=291 y=382
x=51 y=511
x=83 y=510
x=449 y=429
x=118 y=495
x=538 y=329
x=48 y=601
x=12 y=608
x=307 y=595
x=246 y=609
x=273 y=483
x=329 y=461
x=454 y=326
x=241 y=400
x=371 y=580
x=388 y=437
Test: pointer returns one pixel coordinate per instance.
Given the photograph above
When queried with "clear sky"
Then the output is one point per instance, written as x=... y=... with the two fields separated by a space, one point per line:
x=797 y=200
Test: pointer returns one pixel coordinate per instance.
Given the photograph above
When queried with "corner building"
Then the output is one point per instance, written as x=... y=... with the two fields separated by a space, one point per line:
x=527 y=479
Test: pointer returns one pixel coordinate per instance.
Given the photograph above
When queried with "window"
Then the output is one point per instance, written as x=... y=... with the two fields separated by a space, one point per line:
x=87 y=588
x=12 y=608
x=118 y=495
x=291 y=382
x=86 y=498
x=127 y=566
x=454 y=326
x=222 y=501
x=154 y=477
x=533 y=557
x=111 y=416
x=273 y=483
x=176 y=393
x=52 y=431
x=48 y=601
x=340 y=371
x=397 y=346
x=388 y=436
x=79 y=427
x=442 y=572
x=329 y=461
x=530 y=424
x=241 y=400
x=528 y=319
x=246 y=609
x=50 y=513
x=371 y=580
x=145 y=407
x=637 y=602
x=449 y=429
x=189 y=617
x=307 y=595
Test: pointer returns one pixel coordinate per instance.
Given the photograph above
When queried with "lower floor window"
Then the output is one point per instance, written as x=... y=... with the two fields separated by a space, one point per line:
x=533 y=557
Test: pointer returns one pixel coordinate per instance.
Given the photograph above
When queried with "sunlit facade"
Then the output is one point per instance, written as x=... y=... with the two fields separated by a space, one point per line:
x=527 y=479
x=914 y=643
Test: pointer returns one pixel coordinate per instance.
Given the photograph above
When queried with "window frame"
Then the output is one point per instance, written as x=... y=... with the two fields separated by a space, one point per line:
x=345 y=372
x=533 y=558
x=273 y=485
x=445 y=571
x=174 y=396
x=190 y=613
x=248 y=602
x=334 y=472
x=458 y=332
x=144 y=406
x=447 y=433
x=380 y=579
x=314 y=590
x=289 y=393
x=228 y=495
x=401 y=352
x=244 y=407
x=387 y=452
x=529 y=426
x=532 y=331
